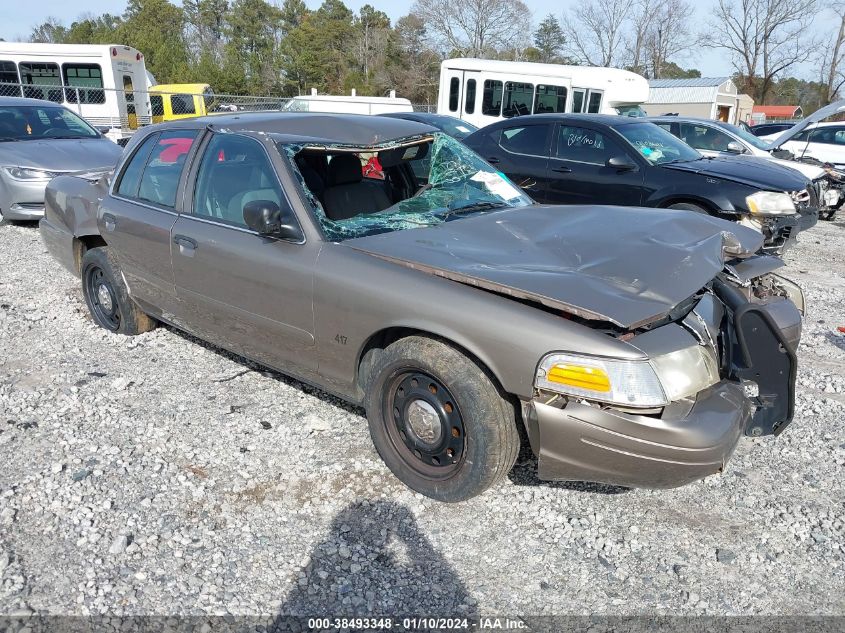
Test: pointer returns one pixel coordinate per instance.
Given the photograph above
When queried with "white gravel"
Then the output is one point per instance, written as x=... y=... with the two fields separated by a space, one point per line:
x=159 y=475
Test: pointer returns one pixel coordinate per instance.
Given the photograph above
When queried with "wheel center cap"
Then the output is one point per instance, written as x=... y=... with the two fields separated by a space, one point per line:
x=104 y=297
x=424 y=422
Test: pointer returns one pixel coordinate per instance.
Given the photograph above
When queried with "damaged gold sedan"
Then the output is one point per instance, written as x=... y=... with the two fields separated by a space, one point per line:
x=388 y=264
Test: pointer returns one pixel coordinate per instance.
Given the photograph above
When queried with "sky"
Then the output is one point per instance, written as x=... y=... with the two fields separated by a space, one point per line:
x=16 y=24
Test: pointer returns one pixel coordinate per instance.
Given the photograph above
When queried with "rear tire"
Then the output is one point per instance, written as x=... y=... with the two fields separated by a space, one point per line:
x=438 y=420
x=689 y=206
x=107 y=297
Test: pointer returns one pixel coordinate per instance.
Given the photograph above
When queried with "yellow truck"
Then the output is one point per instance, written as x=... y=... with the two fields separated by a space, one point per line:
x=169 y=102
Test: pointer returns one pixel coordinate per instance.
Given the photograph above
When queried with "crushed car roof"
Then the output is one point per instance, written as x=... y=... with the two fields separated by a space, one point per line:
x=342 y=129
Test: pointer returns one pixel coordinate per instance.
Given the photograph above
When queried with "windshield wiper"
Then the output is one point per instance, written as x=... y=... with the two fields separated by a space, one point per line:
x=4 y=139
x=66 y=136
x=472 y=207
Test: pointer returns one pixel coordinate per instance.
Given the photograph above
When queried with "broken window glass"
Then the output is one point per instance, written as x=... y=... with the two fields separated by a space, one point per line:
x=457 y=183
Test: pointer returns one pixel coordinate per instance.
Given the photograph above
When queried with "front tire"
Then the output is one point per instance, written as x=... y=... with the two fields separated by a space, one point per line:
x=107 y=297
x=438 y=420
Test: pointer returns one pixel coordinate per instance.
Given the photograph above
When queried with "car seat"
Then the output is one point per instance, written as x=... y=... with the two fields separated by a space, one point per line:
x=347 y=194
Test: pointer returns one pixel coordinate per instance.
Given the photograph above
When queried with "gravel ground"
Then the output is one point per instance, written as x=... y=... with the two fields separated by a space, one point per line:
x=160 y=475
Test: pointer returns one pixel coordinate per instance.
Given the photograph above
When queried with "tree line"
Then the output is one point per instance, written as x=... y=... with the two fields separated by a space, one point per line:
x=284 y=48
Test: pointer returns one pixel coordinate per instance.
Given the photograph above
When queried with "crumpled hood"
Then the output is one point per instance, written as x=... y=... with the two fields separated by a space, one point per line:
x=625 y=265
x=61 y=154
x=756 y=172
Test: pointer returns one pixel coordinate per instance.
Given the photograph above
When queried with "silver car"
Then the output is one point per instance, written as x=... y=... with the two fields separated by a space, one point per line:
x=38 y=141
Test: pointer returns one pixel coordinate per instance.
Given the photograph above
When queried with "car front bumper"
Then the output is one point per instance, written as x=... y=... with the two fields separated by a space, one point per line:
x=22 y=200
x=688 y=442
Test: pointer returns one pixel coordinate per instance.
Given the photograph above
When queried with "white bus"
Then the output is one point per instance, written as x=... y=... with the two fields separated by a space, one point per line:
x=105 y=84
x=482 y=91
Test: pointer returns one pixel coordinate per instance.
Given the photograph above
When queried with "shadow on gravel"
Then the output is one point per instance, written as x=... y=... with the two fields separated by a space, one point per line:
x=376 y=561
x=524 y=473
x=249 y=366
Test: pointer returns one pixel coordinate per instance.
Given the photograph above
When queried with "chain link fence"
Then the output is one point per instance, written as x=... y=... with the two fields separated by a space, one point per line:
x=122 y=111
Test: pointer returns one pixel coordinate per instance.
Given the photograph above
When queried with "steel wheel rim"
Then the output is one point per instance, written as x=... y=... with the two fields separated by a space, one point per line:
x=424 y=424
x=103 y=299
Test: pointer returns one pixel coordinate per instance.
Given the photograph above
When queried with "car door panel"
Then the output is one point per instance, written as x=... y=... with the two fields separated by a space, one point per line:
x=580 y=175
x=249 y=293
x=137 y=217
x=521 y=152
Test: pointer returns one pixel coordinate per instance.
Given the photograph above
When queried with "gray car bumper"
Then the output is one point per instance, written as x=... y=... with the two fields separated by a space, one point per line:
x=688 y=442
x=22 y=200
x=59 y=243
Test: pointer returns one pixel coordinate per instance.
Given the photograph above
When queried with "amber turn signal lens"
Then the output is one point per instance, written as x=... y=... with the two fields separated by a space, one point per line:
x=591 y=378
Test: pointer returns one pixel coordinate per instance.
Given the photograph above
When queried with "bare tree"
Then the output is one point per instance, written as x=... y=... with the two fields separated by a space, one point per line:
x=658 y=30
x=764 y=38
x=832 y=62
x=474 y=28
x=594 y=31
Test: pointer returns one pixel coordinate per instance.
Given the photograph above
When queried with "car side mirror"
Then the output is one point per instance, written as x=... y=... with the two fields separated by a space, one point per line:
x=621 y=163
x=735 y=148
x=266 y=218
x=103 y=129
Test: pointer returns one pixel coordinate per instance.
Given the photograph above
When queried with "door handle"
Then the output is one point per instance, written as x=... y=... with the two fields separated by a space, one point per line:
x=187 y=245
x=109 y=222
x=493 y=160
x=562 y=170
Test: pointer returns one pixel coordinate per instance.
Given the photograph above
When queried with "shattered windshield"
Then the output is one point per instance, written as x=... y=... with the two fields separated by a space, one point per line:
x=408 y=184
x=655 y=144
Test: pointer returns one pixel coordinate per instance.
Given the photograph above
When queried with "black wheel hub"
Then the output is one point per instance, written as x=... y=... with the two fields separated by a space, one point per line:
x=425 y=424
x=103 y=298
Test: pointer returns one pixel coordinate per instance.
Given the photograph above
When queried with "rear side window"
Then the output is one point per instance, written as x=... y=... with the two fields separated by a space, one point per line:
x=156 y=105
x=131 y=176
x=454 y=87
x=234 y=170
x=182 y=104
x=530 y=140
x=518 y=99
x=469 y=105
x=550 y=99
x=491 y=103
x=704 y=137
x=164 y=167
x=585 y=146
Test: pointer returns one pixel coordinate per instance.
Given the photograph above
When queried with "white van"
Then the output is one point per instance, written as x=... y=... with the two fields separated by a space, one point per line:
x=482 y=91
x=105 y=84
x=348 y=104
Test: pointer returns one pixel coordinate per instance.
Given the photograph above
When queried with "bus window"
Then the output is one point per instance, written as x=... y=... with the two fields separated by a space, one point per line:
x=518 y=99
x=550 y=99
x=491 y=103
x=37 y=78
x=594 y=105
x=454 y=86
x=469 y=104
x=87 y=80
x=578 y=100
x=9 y=75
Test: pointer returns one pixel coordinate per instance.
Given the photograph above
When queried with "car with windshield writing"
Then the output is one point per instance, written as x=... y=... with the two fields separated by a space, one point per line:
x=38 y=141
x=612 y=160
x=631 y=346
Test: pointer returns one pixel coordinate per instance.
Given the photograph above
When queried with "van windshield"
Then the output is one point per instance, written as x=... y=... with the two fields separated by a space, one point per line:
x=26 y=123
x=405 y=185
